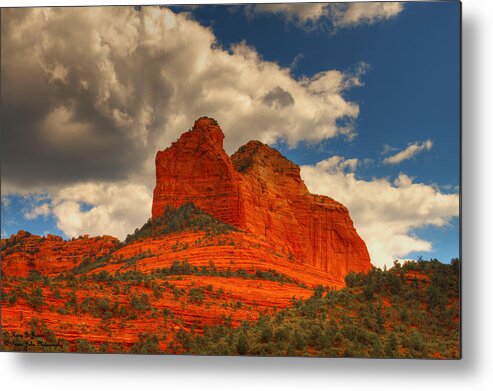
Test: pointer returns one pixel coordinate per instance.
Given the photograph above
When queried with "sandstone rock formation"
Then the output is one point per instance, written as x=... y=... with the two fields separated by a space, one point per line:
x=259 y=191
x=196 y=168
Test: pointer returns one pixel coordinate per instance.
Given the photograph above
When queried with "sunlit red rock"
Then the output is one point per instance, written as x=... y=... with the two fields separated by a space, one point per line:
x=260 y=191
x=196 y=168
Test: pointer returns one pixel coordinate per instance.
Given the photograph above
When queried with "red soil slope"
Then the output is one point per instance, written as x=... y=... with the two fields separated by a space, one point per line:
x=260 y=191
x=231 y=296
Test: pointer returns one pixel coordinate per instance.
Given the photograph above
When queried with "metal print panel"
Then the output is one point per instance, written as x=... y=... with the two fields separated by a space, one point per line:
x=269 y=180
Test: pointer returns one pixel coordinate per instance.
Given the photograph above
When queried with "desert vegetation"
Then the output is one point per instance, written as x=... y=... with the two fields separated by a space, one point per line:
x=185 y=218
x=410 y=310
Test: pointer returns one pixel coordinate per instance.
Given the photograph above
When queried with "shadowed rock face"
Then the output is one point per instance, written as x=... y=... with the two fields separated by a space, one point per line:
x=260 y=191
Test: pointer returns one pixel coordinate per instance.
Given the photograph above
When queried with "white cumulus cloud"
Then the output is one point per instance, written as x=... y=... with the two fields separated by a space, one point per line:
x=114 y=208
x=37 y=211
x=384 y=213
x=340 y=15
x=296 y=12
x=407 y=153
x=352 y=14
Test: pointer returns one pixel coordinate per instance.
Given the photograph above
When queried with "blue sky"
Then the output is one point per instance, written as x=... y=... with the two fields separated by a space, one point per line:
x=409 y=94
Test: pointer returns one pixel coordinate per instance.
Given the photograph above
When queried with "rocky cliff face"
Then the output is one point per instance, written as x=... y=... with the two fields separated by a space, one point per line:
x=259 y=191
x=196 y=168
x=316 y=229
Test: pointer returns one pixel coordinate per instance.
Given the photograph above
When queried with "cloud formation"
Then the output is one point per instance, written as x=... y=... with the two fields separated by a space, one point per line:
x=339 y=15
x=85 y=109
x=301 y=14
x=102 y=98
x=37 y=211
x=411 y=150
x=116 y=209
x=92 y=208
x=385 y=213
x=353 y=14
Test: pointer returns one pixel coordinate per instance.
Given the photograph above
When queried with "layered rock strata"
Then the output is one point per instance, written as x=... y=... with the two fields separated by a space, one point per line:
x=260 y=191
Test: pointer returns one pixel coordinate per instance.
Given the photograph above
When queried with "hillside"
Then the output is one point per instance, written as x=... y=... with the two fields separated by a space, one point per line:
x=237 y=258
x=159 y=293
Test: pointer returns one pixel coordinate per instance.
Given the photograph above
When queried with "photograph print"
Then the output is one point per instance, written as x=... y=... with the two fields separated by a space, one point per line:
x=234 y=180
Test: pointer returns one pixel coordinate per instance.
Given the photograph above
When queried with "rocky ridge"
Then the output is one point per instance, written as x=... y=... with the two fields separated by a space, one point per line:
x=260 y=191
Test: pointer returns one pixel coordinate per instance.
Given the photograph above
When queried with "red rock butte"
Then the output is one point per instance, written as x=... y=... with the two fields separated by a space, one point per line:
x=258 y=190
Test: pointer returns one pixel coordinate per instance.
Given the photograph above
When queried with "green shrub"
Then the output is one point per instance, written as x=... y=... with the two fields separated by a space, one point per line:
x=392 y=346
x=141 y=303
x=83 y=346
x=196 y=295
x=148 y=344
x=242 y=344
x=184 y=218
x=36 y=299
